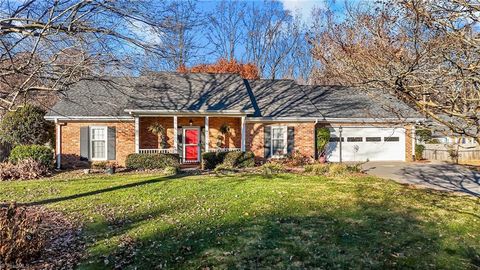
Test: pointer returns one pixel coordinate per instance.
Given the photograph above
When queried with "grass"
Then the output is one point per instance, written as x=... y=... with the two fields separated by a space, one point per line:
x=252 y=221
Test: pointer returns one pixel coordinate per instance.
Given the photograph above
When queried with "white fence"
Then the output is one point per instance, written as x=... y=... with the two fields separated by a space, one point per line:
x=442 y=152
x=225 y=150
x=157 y=151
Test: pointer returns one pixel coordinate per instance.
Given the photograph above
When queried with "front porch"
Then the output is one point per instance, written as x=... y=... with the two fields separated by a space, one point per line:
x=189 y=136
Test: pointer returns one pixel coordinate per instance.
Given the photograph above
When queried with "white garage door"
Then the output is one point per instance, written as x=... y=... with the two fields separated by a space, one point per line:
x=362 y=143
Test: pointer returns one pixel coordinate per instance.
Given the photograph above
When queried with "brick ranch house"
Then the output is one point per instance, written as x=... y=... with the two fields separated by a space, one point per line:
x=109 y=119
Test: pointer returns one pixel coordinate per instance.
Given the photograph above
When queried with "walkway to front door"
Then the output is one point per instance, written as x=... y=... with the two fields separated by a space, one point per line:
x=191 y=144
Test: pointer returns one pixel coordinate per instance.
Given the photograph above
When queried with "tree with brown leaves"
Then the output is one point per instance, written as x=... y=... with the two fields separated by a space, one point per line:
x=247 y=71
x=425 y=52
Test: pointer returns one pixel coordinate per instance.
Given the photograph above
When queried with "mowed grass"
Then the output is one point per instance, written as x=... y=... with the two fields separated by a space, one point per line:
x=253 y=221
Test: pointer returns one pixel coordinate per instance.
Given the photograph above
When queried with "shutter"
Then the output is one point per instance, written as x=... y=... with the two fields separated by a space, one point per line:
x=84 y=143
x=267 y=141
x=290 y=140
x=111 y=143
x=180 y=142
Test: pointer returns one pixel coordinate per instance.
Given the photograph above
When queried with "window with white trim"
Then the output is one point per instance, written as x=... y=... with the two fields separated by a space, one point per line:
x=279 y=141
x=98 y=143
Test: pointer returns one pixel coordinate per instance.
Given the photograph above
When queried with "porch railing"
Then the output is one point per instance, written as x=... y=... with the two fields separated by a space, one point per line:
x=225 y=150
x=157 y=151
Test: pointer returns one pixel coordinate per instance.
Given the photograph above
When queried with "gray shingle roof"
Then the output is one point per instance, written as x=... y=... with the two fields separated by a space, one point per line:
x=225 y=92
x=350 y=102
x=281 y=98
x=156 y=91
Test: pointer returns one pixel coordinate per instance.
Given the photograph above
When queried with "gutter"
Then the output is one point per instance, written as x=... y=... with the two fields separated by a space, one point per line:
x=87 y=118
x=188 y=112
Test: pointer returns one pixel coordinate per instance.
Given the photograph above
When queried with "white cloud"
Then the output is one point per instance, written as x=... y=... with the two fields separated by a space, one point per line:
x=302 y=7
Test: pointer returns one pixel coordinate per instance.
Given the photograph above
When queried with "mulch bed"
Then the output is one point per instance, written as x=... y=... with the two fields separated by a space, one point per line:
x=63 y=248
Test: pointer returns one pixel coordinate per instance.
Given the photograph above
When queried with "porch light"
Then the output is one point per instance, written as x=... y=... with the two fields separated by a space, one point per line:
x=190 y=122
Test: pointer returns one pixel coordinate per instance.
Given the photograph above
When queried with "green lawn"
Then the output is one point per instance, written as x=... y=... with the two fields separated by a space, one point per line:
x=285 y=221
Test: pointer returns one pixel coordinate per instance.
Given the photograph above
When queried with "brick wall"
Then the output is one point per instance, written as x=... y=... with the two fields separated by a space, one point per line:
x=408 y=143
x=304 y=137
x=233 y=139
x=125 y=141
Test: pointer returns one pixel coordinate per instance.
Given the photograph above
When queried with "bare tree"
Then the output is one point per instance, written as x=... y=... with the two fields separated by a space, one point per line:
x=426 y=52
x=226 y=31
x=48 y=45
x=179 y=32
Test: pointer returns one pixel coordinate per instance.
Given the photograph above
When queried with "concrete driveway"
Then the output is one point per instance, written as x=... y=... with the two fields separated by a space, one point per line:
x=441 y=176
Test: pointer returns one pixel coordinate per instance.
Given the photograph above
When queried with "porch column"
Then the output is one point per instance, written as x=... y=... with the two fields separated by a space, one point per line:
x=175 y=133
x=207 y=139
x=59 y=145
x=244 y=130
x=137 y=134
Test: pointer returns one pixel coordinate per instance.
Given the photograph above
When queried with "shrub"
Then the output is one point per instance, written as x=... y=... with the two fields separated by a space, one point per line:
x=296 y=159
x=39 y=153
x=170 y=170
x=419 y=149
x=239 y=159
x=317 y=169
x=211 y=160
x=270 y=168
x=224 y=169
x=21 y=235
x=323 y=137
x=99 y=165
x=24 y=170
x=152 y=161
x=26 y=125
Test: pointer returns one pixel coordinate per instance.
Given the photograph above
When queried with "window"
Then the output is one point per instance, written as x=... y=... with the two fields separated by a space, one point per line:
x=98 y=143
x=354 y=139
x=279 y=141
x=335 y=139
x=373 y=139
x=391 y=139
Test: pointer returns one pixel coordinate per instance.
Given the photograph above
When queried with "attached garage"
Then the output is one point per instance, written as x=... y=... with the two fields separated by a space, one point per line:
x=362 y=143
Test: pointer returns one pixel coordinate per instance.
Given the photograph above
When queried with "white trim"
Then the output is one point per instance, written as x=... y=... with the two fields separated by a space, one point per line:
x=175 y=132
x=207 y=133
x=88 y=118
x=332 y=120
x=189 y=112
x=285 y=138
x=243 y=135
x=59 y=146
x=183 y=143
x=90 y=142
x=137 y=135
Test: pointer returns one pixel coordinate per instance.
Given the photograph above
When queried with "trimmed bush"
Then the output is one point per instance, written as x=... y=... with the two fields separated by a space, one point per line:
x=419 y=149
x=170 y=170
x=39 y=153
x=152 y=161
x=211 y=160
x=224 y=169
x=239 y=159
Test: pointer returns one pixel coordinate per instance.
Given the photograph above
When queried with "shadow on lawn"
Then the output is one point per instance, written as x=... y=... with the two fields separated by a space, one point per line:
x=373 y=233
x=100 y=191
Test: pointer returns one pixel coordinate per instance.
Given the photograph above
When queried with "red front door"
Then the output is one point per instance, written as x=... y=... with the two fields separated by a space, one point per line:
x=191 y=144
